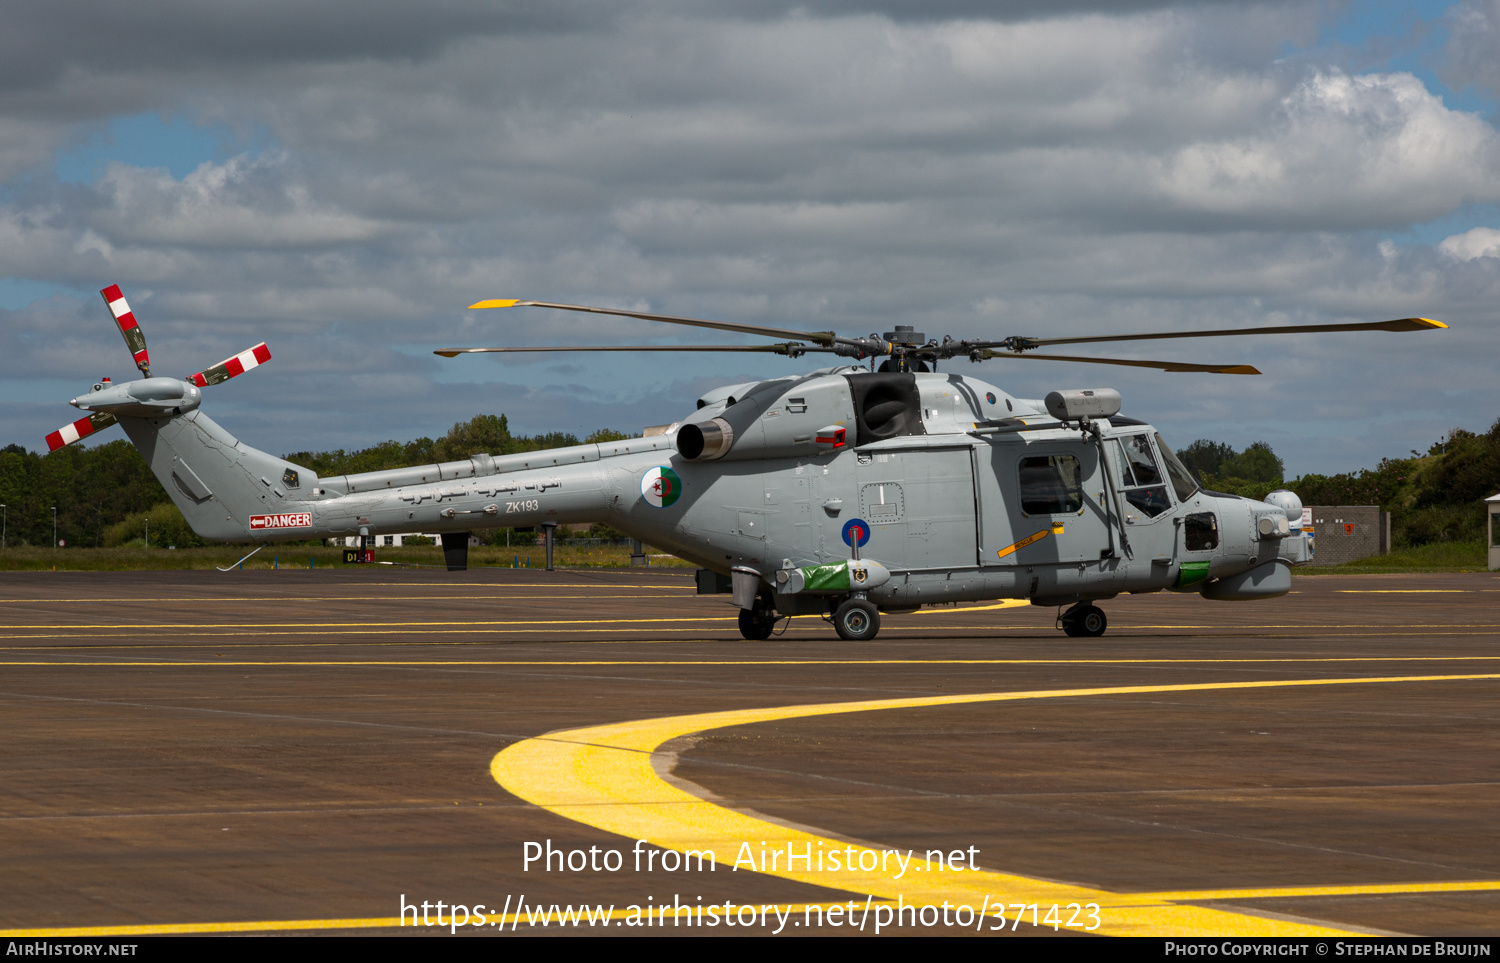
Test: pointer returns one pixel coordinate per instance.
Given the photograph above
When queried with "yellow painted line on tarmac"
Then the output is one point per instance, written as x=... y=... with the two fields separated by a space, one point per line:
x=355 y=598
x=1294 y=892
x=189 y=663
x=496 y=920
x=169 y=929
x=1007 y=604
x=690 y=588
x=351 y=624
x=1403 y=591
x=905 y=630
x=605 y=777
x=541 y=639
x=256 y=633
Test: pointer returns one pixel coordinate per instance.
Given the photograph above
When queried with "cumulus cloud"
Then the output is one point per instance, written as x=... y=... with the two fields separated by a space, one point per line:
x=1473 y=51
x=242 y=203
x=1094 y=167
x=1341 y=153
x=1476 y=243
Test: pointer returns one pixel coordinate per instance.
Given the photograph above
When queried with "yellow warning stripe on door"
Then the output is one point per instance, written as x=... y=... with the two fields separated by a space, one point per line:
x=1056 y=529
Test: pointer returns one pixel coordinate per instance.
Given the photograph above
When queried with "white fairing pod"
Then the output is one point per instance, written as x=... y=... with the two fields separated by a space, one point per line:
x=1289 y=503
x=1078 y=403
x=1267 y=581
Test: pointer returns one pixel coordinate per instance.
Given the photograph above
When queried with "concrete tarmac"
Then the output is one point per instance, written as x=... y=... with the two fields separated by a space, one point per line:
x=295 y=750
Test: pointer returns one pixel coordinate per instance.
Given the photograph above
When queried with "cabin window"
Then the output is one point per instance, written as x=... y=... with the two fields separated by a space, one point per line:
x=1200 y=531
x=1051 y=485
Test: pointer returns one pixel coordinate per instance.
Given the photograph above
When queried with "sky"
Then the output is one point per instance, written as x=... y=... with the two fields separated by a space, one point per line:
x=341 y=180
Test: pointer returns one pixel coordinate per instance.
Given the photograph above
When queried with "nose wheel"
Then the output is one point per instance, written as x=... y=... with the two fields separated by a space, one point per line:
x=856 y=620
x=1084 y=620
x=757 y=624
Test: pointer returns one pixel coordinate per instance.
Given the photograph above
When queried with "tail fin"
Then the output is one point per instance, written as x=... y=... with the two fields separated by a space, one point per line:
x=223 y=487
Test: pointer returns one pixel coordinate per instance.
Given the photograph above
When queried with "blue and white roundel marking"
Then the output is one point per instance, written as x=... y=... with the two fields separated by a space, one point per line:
x=661 y=486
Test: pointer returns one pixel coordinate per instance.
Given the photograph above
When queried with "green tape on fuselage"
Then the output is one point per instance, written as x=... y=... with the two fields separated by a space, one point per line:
x=1191 y=573
x=827 y=578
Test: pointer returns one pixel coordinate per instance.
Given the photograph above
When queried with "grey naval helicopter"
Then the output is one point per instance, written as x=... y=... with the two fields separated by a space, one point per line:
x=843 y=492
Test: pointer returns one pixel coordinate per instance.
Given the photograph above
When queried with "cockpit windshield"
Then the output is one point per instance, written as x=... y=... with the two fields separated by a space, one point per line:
x=1182 y=479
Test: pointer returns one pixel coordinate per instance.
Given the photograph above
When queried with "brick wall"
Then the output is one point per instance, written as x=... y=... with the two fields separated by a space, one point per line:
x=1348 y=532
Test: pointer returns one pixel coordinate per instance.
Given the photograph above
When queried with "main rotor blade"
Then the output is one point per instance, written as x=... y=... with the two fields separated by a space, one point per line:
x=135 y=339
x=817 y=337
x=1238 y=369
x=230 y=367
x=790 y=348
x=82 y=428
x=1400 y=324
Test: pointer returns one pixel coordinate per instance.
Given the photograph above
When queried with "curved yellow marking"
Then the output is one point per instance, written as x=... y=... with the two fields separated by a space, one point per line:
x=1431 y=323
x=688 y=663
x=497 y=920
x=1293 y=892
x=604 y=777
x=167 y=929
x=498 y=303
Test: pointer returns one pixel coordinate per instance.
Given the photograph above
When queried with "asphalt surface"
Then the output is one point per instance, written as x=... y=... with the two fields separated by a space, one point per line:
x=307 y=749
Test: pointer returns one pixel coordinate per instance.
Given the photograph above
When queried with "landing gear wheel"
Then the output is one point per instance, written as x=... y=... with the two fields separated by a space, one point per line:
x=756 y=624
x=856 y=621
x=1085 y=621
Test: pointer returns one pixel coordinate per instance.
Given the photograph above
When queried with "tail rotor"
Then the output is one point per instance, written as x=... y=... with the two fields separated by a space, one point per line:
x=148 y=397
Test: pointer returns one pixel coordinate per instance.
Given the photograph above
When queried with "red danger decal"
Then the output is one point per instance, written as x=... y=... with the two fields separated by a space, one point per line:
x=261 y=522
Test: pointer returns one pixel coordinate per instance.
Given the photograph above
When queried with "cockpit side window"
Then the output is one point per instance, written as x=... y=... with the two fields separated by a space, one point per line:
x=1139 y=476
x=1138 y=452
x=1183 y=482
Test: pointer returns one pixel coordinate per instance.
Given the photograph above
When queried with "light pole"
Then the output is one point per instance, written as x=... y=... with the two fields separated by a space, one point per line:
x=4 y=518
x=54 y=528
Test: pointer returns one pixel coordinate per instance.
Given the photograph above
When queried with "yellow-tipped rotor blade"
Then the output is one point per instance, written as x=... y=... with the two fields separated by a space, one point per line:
x=499 y=303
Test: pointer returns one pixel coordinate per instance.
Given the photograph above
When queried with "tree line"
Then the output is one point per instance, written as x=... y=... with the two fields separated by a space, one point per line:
x=1436 y=496
x=106 y=495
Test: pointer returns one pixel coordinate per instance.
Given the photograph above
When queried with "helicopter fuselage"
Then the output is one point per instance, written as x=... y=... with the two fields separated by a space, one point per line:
x=926 y=488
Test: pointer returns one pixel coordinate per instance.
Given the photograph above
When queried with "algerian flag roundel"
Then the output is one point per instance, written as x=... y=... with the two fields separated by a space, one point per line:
x=661 y=486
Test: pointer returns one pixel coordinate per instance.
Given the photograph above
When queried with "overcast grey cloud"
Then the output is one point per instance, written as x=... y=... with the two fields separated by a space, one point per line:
x=1089 y=168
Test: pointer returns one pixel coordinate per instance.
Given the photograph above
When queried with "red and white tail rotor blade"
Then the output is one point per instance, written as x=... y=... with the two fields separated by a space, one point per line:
x=79 y=429
x=230 y=367
x=135 y=339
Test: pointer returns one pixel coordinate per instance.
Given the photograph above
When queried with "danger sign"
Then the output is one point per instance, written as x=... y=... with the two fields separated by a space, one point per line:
x=296 y=520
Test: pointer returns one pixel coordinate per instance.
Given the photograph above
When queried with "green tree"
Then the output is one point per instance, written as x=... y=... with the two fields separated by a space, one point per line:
x=480 y=435
x=606 y=434
x=1204 y=457
x=1257 y=463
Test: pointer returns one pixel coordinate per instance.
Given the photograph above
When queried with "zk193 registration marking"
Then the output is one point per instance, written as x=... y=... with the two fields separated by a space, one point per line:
x=524 y=505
